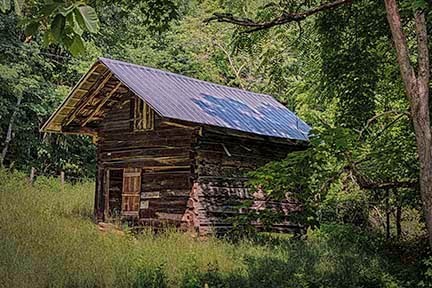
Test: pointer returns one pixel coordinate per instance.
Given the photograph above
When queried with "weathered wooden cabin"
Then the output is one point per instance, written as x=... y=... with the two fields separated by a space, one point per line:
x=172 y=149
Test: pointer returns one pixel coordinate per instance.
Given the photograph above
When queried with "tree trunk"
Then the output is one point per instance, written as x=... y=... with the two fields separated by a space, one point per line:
x=424 y=148
x=417 y=90
x=398 y=222
x=8 y=138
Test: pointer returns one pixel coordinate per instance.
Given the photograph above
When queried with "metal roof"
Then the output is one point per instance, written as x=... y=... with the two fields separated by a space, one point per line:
x=179 y=97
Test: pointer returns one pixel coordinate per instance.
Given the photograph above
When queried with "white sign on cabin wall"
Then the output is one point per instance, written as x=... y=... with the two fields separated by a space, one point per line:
x=150 y=195
x=144 y=205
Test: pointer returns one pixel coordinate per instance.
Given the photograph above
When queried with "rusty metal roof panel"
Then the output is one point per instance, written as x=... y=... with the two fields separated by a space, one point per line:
x=179 y=97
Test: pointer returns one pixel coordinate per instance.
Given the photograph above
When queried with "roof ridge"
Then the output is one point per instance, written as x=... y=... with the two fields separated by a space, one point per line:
x=183 y=76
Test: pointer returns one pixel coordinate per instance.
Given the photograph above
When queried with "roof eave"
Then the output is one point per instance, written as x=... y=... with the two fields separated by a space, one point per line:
x=241 y=133
x=46 y=127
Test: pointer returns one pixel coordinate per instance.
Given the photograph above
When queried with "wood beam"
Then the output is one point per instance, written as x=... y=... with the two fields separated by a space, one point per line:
x=70 y=95
x=170 y=123
x=100 y=105
x=79 y=131
x=106 y=77
x=247 y=135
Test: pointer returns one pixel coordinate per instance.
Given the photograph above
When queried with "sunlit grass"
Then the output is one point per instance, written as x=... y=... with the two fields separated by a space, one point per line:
x=48 y=239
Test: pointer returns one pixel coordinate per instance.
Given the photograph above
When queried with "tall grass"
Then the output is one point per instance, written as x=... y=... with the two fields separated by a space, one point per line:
x=48 y=239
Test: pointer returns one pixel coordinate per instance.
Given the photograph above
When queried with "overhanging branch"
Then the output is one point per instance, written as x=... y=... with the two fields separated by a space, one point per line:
x=388 y=185
x=375 y=117
x=284 y=18
x=365 y=183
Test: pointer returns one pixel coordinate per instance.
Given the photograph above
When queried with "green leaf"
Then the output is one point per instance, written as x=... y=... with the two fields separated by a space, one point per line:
x=31 y=28
x=87 y=18
x=57 y=26
x=47 y=38
x=5 y=5
x=77 y=46
x=48 y=9
x=73 y=23
x=18 y=6
x=65 y=11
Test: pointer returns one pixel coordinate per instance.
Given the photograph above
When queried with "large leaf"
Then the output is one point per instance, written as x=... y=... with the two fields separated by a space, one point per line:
x=87 y=18
x=57 y=26
x=74 y=24
x=47 y=38
x=5 y=5
x=77 y=46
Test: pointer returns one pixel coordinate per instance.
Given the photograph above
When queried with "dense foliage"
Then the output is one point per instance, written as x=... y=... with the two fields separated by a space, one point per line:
x=337 y=71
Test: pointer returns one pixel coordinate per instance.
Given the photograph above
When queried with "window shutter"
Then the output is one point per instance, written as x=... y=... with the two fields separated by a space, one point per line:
x=131 y=191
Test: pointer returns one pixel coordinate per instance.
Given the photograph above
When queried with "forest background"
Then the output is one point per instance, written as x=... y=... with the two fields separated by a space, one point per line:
x=337 y=70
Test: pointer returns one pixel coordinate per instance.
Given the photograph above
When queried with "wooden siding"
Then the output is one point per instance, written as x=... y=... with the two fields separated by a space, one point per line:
x=163 y=155
x=191 y=177
x=222 y=162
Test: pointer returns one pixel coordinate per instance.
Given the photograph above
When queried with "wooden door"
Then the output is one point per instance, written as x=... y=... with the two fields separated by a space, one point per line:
x=131 y=191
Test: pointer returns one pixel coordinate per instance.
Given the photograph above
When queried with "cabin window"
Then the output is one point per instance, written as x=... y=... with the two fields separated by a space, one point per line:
x=131 y=191
x=143 y=116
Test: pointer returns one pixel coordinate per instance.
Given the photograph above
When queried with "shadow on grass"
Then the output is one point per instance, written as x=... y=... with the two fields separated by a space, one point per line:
x=334 y=256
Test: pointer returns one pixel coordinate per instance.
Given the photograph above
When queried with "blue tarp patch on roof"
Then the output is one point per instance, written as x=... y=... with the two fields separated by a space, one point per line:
x=179 y=97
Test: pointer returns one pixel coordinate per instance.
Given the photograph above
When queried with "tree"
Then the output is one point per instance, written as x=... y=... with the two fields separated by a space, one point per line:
x=61 y=22
x=416 y=80
x=34 y=80
x=416 y=85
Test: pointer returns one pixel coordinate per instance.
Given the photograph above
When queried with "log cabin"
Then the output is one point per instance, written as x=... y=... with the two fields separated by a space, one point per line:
x=174 y=150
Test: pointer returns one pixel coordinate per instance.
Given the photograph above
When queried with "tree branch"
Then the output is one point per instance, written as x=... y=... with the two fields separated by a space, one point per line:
x=388 y=185
x=385 y=113
x=237 y=71
x=364 y=182
x=400 y=42
x=388 y=126
x=285 y=18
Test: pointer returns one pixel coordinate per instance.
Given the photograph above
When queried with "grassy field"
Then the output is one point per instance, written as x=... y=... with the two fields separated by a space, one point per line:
x=48 y=239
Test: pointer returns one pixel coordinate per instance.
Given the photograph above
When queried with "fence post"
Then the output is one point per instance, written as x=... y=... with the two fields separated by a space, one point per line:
x=387 y=207
x=62 y=179
x=32 y=175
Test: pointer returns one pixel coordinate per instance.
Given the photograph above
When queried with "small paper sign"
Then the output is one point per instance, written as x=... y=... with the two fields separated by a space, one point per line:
x=144 y=205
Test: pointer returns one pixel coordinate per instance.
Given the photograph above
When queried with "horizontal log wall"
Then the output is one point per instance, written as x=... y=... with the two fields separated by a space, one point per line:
x=222 y=162
x=164 y=155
